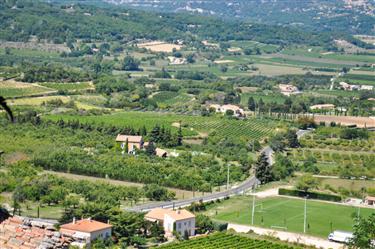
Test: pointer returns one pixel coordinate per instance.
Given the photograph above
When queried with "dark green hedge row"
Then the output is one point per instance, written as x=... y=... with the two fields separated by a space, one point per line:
x=311 y=195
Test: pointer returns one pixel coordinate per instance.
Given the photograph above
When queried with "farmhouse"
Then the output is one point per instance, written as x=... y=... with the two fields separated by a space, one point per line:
x=347 y=87
x=322 y=107
x=370 y=201
x=134 y=142
x=237 y=111
x=176 y=61
x=288 y=89
x=181 y=221
x=86 y=230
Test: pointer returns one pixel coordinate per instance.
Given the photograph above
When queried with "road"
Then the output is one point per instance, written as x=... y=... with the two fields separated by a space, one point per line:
x=244 y=186
x=250 y=183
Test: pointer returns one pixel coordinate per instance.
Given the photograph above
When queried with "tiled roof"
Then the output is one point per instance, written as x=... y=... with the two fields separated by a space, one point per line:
x=131 y=139
x=159 y=213
x=86 y=226
x=370 y=198
x=20 y=233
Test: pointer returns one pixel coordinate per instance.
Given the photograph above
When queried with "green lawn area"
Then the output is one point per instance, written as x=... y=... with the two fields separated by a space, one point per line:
x=288 y=212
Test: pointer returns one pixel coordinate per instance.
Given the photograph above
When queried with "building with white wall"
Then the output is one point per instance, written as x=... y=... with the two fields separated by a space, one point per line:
x=181 y=221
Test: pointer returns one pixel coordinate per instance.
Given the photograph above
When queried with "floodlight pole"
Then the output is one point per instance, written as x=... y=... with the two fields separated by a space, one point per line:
x=304 y=216
x=253 y=210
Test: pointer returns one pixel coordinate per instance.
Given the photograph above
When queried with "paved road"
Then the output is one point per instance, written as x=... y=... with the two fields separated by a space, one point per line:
x=244 y=186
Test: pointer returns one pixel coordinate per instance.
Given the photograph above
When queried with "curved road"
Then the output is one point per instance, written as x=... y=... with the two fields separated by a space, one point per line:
x=250 y=183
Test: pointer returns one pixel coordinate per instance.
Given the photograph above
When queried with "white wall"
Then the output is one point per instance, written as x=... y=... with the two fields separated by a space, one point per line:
x=181 y=225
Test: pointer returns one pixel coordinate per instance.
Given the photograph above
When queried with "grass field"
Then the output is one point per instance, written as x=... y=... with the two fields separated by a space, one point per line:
x=226 y=241
x=223 y=127
x=288 y=212
x=12 y=88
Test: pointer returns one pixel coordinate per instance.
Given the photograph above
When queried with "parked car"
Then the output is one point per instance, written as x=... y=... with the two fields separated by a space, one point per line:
x=340 y=236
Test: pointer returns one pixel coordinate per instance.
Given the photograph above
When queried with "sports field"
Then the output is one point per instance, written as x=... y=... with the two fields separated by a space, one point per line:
x=287 y=214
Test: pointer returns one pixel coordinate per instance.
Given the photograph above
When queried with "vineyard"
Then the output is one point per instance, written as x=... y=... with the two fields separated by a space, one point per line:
x=192 y=125
x=223 y=241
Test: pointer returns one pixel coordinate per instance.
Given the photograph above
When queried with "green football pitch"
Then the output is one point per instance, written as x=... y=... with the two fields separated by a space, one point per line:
x=288 y=214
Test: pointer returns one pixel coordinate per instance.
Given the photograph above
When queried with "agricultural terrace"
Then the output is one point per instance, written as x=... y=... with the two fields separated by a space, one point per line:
x=224 y=241
x=69 y=86
x=287 y=214
x=251 y=128
x=11 y=88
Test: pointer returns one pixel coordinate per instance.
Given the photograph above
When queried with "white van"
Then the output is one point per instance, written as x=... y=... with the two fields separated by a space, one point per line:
x=340 y=236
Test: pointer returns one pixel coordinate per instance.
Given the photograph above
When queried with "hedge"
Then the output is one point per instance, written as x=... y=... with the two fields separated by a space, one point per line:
x=311 y=195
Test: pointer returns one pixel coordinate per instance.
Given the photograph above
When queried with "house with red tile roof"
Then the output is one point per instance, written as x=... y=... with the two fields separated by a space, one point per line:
x=86 y=230
x=181 y=220
x=133 y=142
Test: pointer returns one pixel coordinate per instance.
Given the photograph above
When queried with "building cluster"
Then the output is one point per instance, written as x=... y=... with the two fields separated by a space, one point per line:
x=26 y=233
x=348 y=87
x=132 y=144
x=237 y=111
x=287 y=89
x=322 y=107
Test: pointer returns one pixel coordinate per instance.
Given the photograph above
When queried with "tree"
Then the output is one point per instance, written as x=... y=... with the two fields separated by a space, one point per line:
x=292 y=139
x=310 y=166
x=251 y=104
x=179 y=135
x=263 y=170
x=203 y=224
x=190 y=58
x=150 y=149
x=229 y=113
x=282 y=168
x=130 y=64
x=307 y=182
x=364 y=233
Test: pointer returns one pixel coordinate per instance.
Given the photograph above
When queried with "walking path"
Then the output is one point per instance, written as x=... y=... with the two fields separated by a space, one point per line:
x=287 y=236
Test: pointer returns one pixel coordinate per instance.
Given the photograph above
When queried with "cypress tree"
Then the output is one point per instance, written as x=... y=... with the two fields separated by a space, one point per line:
x=263 y=170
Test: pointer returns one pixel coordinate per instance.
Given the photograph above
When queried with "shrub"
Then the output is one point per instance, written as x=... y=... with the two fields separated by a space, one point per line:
x=311 y=195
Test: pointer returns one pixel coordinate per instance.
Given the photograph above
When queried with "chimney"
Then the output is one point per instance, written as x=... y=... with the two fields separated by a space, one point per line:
x=74 y=220
x=108 y=221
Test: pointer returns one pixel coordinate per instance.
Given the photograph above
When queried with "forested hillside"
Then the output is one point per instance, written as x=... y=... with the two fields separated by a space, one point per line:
x=355 y=17
x=66 y=23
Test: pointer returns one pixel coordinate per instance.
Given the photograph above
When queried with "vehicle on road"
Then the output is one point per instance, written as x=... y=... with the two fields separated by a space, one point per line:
x=340 y=236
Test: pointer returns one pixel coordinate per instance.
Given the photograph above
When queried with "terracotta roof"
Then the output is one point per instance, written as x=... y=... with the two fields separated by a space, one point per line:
x=131 y=139
x=370 y=198
x=86 y=226
x=25 y=233
x=159 y=214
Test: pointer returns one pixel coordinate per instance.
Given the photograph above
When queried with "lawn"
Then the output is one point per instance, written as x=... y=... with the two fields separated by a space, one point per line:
x=288 y=213
x=251 y=128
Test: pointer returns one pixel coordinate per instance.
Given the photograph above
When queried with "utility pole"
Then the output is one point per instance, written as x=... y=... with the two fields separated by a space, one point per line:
x=253 y=211
x=228 y=176
x=304 y=217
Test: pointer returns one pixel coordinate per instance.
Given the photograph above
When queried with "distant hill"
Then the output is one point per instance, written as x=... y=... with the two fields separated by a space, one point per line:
x=353 y=16
x=68 y=22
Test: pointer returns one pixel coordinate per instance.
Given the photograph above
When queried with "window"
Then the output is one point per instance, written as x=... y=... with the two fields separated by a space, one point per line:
x=179 y=225
x=189 y=223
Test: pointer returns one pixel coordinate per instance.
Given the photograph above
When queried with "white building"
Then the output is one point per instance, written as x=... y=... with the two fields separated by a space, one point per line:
x=181 y=221
x=287 y=89
x=237 y=111
x=86 y=230
x=367 y=87
x=322 y=107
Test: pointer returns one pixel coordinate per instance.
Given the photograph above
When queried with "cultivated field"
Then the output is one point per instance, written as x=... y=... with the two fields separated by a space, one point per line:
x=192 y=125
x=225 y=241
x=11 y=88
x=159 y=46
x=287 y=213
x=346 y=120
